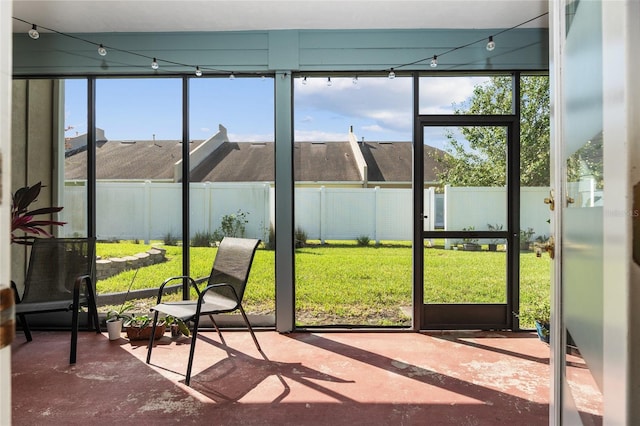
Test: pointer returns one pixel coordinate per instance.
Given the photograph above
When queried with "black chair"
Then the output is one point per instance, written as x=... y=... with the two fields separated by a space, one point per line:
x=223 y=293
x=59 y=268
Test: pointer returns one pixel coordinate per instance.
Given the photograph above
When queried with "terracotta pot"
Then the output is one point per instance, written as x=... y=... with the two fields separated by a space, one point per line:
x=137 y=333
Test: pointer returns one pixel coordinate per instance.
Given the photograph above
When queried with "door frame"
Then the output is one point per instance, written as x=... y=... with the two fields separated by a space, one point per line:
x=469 y=316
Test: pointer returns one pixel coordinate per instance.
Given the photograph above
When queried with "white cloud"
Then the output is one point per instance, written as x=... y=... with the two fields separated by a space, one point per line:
x=319 y=136
x=205 y=129
x=373 y=128
x=249 y=137
x=306 y=119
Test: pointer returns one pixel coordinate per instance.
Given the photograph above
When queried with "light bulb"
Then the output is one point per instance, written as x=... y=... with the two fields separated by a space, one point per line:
x=329 y=83
x=33 y=32
x=434 y=61
x=102 y=51
x=304 y=81
x=154 y=64
x=198 y=72
x=392 y=74
x=355 y=80
x=232 y=76
x=491 y=44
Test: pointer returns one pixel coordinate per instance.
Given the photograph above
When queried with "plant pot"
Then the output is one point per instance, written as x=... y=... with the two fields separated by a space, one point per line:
x=543 y=331
x=175 y=331
x=471 y=247
x=144 y=333
x=114 y=328
x=493 y=247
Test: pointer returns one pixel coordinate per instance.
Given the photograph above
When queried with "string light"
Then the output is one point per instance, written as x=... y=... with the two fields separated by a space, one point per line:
x=329 y=83
x=33 y=32
x=491 y=44
x=232 y=76
x=304 y=81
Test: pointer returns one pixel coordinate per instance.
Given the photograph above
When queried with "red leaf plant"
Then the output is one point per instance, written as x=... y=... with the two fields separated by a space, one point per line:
x=22 y=219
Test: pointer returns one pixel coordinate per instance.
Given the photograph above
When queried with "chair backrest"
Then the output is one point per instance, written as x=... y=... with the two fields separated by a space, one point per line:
x=233 y=264
x=54 y=265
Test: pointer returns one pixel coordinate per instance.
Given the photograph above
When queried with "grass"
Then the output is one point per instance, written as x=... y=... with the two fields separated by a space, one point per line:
x=346 y=283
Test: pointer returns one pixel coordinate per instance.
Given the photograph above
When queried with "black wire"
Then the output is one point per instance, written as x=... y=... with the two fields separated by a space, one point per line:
x=202 y=68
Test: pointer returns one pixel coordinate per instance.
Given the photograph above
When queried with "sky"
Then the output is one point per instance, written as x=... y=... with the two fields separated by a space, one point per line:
x=378 y=108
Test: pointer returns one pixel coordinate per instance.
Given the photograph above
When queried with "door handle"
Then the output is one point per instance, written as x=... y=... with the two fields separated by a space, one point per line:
x=549 y=246
x=550 y=201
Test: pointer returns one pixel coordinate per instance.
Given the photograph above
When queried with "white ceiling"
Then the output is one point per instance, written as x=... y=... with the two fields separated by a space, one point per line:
x=72 y=16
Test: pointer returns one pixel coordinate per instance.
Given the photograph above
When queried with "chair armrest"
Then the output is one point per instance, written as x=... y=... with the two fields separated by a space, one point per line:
x=212 y=286
x=168 y=280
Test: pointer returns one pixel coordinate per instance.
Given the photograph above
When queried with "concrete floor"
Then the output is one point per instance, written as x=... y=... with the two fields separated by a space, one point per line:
x=330 y=378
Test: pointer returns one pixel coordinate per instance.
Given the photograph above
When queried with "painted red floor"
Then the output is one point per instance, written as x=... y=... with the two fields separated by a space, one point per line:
x=331 y=378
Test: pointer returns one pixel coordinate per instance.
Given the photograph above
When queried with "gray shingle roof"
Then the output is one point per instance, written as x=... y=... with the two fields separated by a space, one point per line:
x=252 y=162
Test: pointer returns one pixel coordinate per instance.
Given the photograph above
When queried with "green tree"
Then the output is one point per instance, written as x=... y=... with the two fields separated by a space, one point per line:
x=480 y=160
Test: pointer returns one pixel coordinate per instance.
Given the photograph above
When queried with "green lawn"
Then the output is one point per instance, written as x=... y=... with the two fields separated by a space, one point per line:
x=343 y=283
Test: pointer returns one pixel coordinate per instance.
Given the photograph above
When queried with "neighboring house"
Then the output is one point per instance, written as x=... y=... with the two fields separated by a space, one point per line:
x=338 y=164
x=78 y=143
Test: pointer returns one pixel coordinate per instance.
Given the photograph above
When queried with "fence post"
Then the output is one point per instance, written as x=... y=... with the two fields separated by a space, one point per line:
x=376 y=195
x=147 y=212
x=323 y=213
x=208 y=195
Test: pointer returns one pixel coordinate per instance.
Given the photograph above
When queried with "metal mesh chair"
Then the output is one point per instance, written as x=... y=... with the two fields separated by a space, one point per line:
x=223 y=293
x=59 y=268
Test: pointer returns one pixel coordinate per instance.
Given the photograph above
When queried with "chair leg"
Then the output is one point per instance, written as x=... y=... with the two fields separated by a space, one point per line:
x=153 y=334
x=74 y=332
x=93 y=308
x=246 y=320
x=194 y=336
x=215 y=324
x=25 y=327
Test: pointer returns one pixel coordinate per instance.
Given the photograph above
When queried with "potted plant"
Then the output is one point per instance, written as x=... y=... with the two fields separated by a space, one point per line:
x=115 y=319
x=139 y=327
x=542 y=318
x=177 y=326
x=470 y=244
x=22 y=219
x=493 y=245
x=526 y=238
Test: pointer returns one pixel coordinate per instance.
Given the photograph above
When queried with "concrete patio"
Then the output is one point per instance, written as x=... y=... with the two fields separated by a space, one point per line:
x=330 y=378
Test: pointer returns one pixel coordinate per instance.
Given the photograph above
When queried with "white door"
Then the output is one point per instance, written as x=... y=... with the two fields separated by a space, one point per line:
x=594 y=152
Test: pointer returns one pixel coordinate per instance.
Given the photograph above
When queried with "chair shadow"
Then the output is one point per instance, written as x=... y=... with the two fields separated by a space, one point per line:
x=232 y=378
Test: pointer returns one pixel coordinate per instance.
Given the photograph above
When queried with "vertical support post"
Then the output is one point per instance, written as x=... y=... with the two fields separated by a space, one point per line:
x=185 y=186
x=284 y=188
x=418 y=207
x=513 y=208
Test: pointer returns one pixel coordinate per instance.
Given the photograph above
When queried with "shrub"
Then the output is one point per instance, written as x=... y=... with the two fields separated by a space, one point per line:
x=363 y=240
x=232 y=225
x=271 y=243
x=300 y=237
x=170 y=239
x=202 y=239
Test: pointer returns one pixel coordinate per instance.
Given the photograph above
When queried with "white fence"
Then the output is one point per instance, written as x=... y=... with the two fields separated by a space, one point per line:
x=149 y=211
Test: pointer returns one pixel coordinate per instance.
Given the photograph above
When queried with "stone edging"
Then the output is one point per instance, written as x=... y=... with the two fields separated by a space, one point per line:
x=106 y=268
